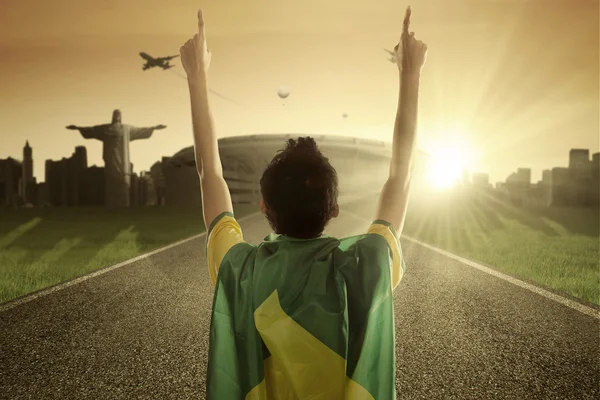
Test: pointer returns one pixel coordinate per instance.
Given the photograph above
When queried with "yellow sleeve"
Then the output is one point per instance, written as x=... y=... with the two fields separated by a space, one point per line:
x=222 y=236
x=387 y=231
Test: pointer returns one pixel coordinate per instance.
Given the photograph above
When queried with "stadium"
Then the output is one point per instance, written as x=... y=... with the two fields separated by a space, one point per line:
x=362 y=166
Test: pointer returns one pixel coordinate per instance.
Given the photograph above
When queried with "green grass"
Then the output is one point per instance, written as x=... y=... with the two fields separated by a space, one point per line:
x=556 y=247
x=43 y=247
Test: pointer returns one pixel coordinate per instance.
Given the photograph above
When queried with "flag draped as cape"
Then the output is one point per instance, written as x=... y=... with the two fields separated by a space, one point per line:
x=300 y=319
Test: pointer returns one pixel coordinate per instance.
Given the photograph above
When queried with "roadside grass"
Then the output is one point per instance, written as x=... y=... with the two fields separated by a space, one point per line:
x=44 y=247
x=556 y=247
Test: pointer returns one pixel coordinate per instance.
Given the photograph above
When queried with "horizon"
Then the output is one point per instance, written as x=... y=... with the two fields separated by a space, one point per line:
x=138 y=171
x=493 y=90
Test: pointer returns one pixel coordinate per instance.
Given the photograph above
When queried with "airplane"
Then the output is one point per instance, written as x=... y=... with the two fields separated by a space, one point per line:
x=162 y=62
x=392 y=58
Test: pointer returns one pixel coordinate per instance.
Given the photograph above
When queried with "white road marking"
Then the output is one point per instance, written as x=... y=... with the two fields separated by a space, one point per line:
x=542 y=292
x=45 y=292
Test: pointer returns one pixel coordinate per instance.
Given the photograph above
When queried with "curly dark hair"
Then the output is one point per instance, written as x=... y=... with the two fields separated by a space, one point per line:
x=300 y=190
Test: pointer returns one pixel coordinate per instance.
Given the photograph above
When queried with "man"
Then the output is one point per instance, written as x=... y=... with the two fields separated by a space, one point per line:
x=302 y=315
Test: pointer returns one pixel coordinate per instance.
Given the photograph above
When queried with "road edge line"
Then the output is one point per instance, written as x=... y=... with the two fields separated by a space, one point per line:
x=60 y=286
x=589 y=311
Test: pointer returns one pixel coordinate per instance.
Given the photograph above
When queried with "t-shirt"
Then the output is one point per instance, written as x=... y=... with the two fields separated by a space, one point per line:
x=302 y=318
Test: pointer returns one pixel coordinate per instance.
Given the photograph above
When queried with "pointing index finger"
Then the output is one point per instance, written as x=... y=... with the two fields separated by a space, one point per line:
x=406 y=22
x=200 y=22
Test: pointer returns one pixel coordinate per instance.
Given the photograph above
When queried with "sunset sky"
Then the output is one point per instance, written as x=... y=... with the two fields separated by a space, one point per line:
x=515 y=82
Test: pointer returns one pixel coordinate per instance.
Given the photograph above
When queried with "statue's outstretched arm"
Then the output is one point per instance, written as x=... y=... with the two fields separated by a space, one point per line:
x=142 y=133
x=90 y=132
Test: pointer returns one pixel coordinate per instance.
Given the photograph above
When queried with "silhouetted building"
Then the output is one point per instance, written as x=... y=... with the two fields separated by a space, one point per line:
x=524 y=175
x=560 y=187
x=182 y=183
x=481 y=180
x=580 y=185
x=92 y=187
x=595 y=176
x=159 y=183
x=579 y=163
x=56 y=181
x=546 y=177
x=519 y=180
x=545 y=188
x=577 y=185
x=11 y=171
x=134 y=189
x=145 y=186
x=596 y=164
x=42 y=197
x=139 y=190
x=149 y=189
x=518 y=185
x=27 y=183
x=65 y=178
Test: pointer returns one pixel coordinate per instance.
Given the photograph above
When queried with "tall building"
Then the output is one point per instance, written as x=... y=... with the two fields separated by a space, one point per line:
x=28 y=183
x=579 y=163
x=580 y=178
x=577 y=185
x=518 y=187
x=524 y=176
x=546 y=177
x=65 y=179
x=80 y=158
x=11 y=171
x=519 y=181
x=56 y=182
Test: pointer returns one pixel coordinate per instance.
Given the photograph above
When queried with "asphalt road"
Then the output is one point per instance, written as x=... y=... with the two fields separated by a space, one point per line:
x=141 y=332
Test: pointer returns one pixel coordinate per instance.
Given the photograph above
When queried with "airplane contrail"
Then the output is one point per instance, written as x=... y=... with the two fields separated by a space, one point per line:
x=210 y=90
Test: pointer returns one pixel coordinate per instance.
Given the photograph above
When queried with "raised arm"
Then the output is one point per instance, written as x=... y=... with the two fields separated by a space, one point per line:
x=195 y=58
x=142 y=133
x=91 y=132
x=410 y=57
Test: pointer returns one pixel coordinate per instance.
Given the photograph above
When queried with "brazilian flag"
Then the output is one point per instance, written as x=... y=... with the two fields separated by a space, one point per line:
x=304 y=319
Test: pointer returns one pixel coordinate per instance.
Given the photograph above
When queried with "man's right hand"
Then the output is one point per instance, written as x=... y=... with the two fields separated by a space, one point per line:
x=410 y=52
x=195 y=56
x=72 y=127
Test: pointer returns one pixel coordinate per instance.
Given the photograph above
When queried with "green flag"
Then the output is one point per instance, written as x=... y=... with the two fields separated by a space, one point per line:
x=305 y=318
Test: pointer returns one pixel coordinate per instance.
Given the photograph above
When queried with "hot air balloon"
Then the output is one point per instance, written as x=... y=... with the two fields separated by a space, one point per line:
x=283 y=92
x=345 y=115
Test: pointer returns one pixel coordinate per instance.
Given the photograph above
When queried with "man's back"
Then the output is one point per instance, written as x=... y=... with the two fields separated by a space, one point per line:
x=302 y=318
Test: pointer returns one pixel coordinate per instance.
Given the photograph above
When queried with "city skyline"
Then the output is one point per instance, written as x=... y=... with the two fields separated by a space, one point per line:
x=173 y=180
x=532 y=173
x=502 y=80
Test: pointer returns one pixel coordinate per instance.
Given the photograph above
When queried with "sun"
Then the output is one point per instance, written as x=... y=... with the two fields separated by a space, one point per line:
x=446 y=166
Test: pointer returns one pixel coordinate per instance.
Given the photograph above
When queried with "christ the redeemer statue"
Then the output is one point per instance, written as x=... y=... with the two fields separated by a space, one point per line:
x=117 y=168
